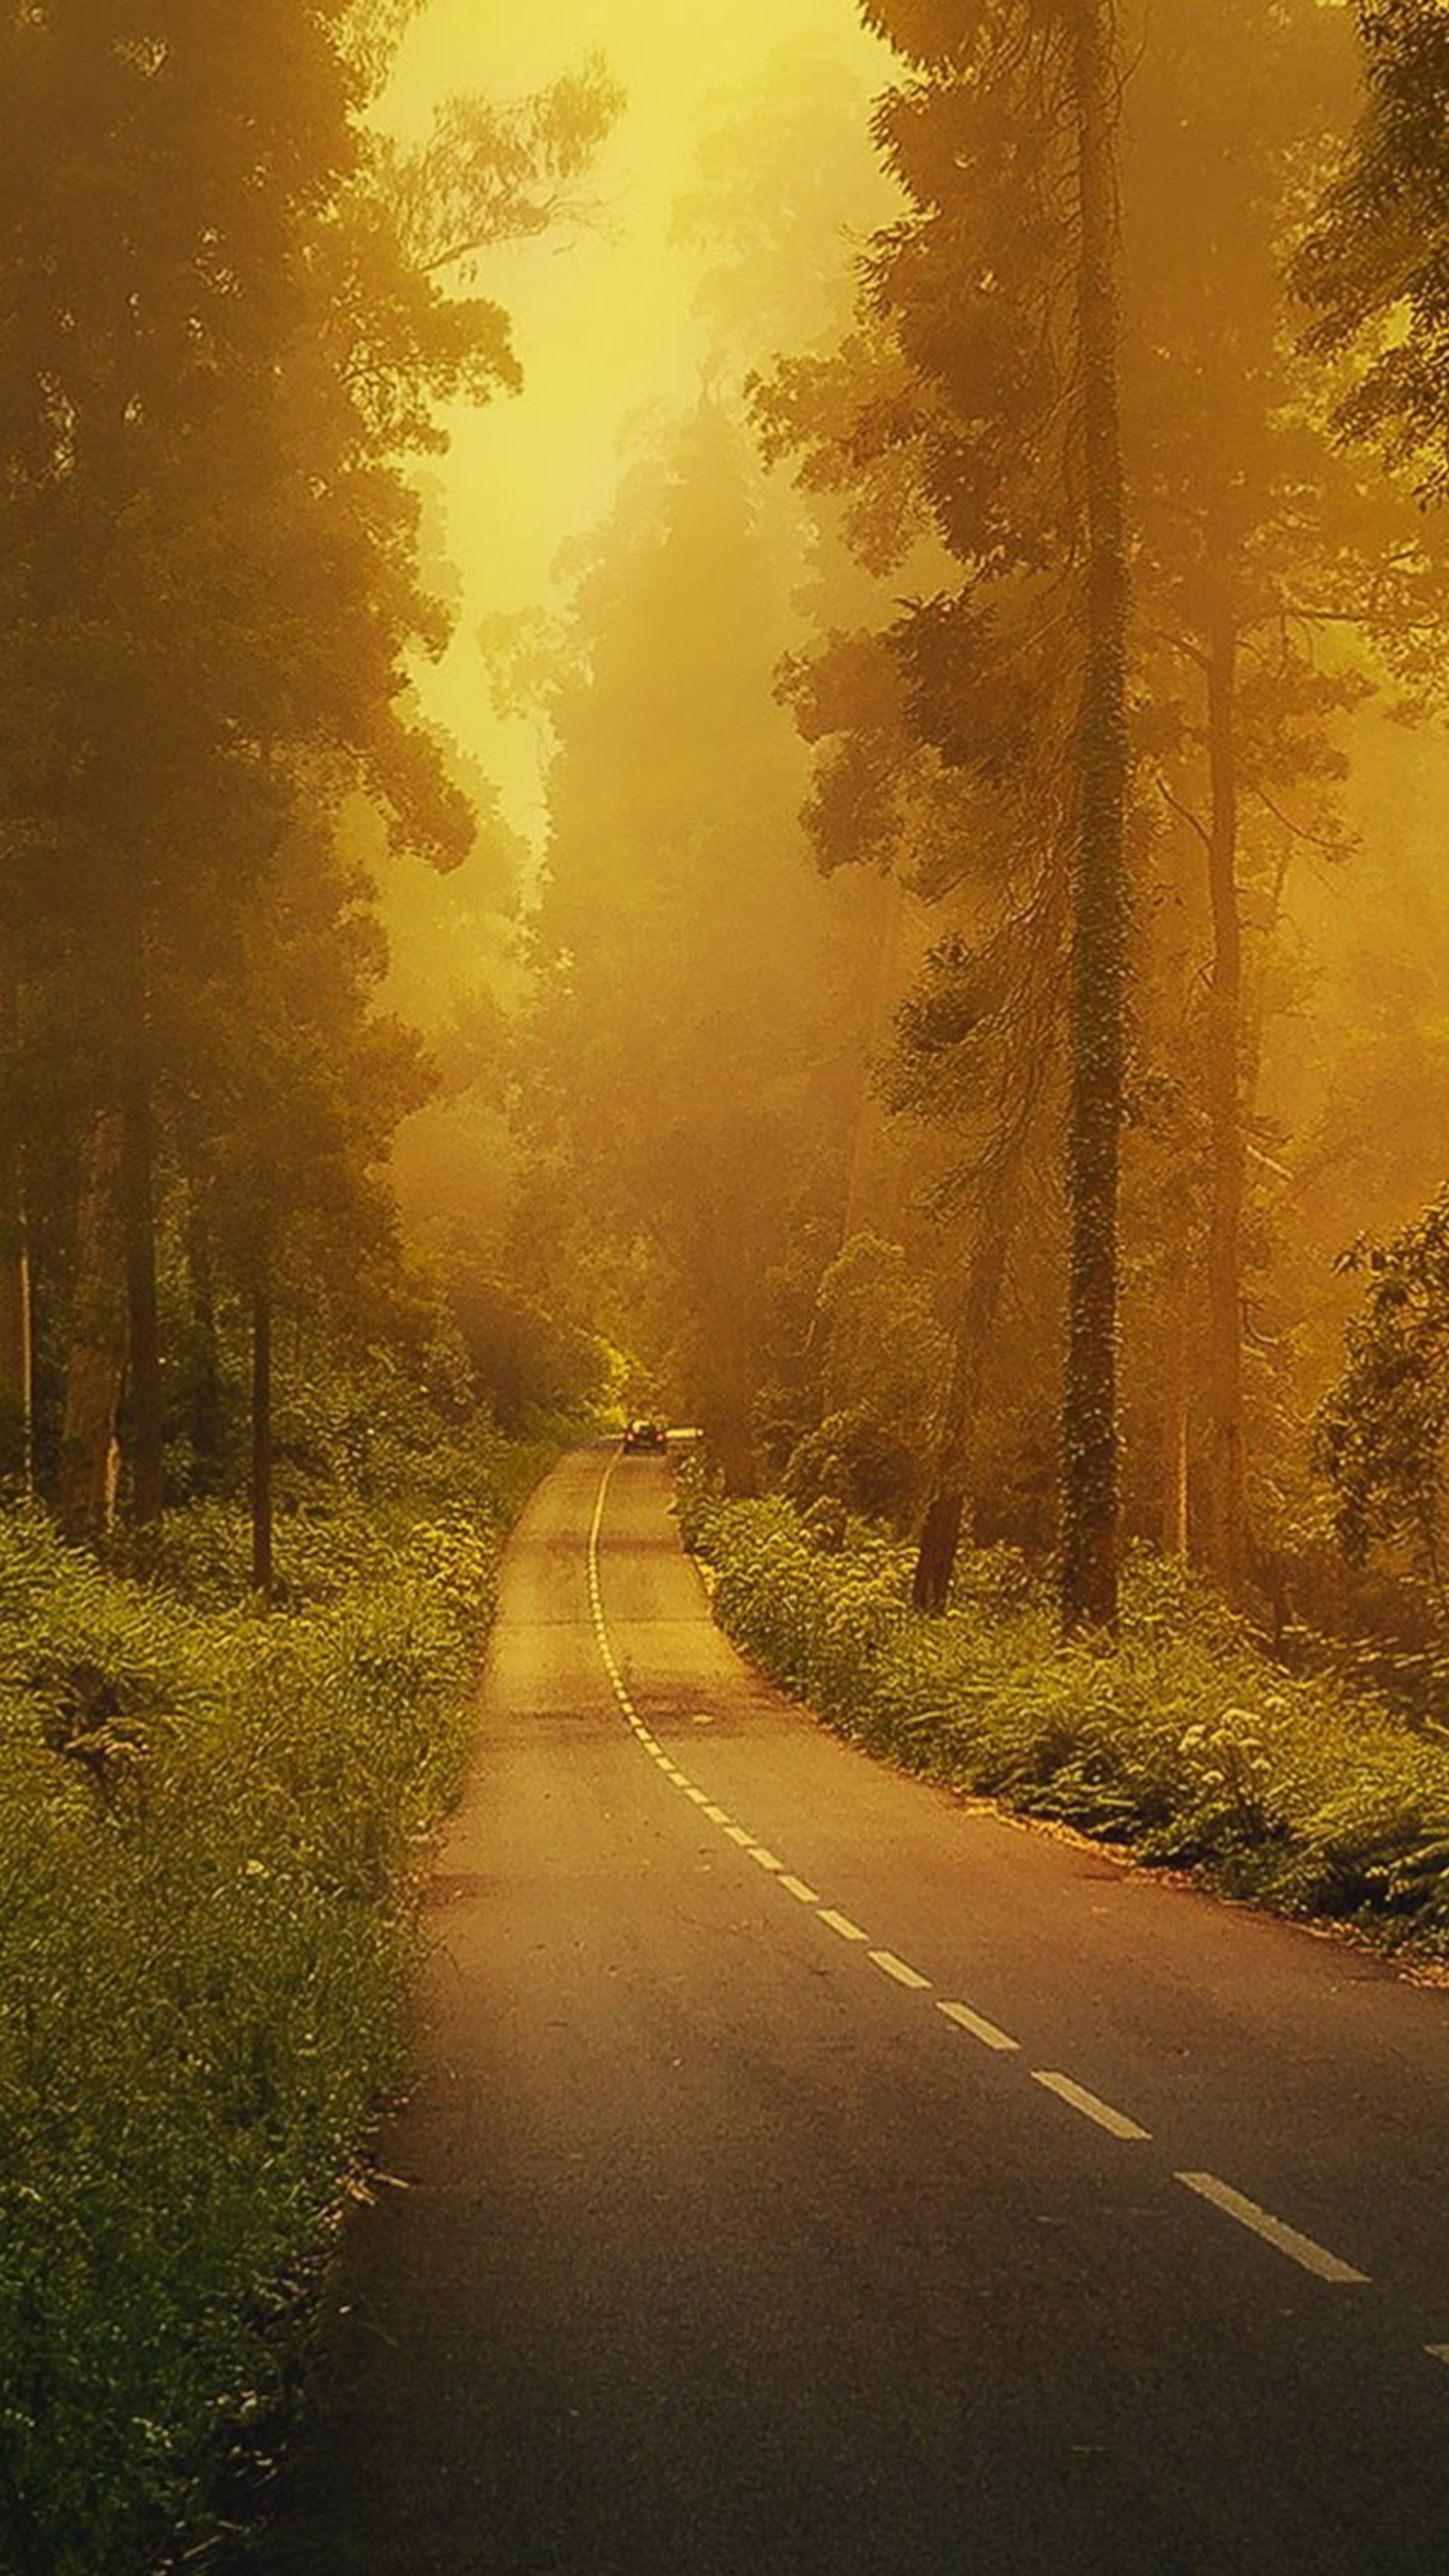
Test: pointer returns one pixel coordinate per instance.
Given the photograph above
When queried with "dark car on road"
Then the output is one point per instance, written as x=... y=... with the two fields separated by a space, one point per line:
x=645 y=1435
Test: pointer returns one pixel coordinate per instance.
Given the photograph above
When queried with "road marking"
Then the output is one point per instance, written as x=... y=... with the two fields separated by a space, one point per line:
x=986 y=2031
x=890 y=1966
x=1275 y=2231
x=1116 y=2123
x=1437 y=2351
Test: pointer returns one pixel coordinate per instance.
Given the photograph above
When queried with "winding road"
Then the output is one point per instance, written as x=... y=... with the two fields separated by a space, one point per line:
x=810 y=2172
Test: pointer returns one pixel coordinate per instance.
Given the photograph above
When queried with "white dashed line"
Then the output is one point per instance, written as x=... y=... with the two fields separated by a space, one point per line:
x=1274 y=2231
x=890 y=1966
x=1437 y=2351
x=1116 y=2123
x=973 y=2022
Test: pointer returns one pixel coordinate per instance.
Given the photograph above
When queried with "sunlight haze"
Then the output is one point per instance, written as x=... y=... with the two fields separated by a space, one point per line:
x=601 y=318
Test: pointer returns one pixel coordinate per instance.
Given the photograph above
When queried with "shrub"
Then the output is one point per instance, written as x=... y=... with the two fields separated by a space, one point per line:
x=208 y=1822
x=1188 y=1743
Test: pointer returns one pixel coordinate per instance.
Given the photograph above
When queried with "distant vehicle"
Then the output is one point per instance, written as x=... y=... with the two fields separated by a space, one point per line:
x=645 y=1435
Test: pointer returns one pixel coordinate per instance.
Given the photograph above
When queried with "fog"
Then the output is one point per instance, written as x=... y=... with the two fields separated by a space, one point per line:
x=603 y=316
x=748 y=718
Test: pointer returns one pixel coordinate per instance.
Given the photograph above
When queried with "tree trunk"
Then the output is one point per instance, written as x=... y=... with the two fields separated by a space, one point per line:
x=1090 y=1464
x=1225 y=1533
x=138 y=1217
x=872 y=1123
x=946 y=1510
x=262 y=1565
x=17 y=1363
x=89 y=1458
x=731 y=1440
x=206 y=1399
x=17 y=1366
x=1177 y=1407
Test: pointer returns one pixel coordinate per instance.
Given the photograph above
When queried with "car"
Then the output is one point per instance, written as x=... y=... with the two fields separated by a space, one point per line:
x=645 y=1435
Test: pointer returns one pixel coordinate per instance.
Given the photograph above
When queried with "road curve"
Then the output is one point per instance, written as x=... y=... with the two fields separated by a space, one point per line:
x=809 y=2175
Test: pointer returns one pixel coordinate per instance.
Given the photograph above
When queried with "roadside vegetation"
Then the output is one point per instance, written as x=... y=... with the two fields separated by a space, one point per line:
x=210 y=1828
x=1189 y=1745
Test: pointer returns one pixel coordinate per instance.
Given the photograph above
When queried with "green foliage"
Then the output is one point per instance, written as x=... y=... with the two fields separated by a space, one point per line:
x=233 y=311
x=884 y=1361
x=1382 y=1430
x=884 y=1349
x=1187 y=1743
x=208 y=1824
x=860 y=1462
x=678 y=1096
x=526 y=1360
x=1374 y=268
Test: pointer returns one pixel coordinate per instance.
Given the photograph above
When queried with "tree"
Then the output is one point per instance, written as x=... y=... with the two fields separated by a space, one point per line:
x=677 y=1087
x=1256 y=542
x=230 y=316
x=295 y=1083
x=1090 y=1476
x=1375 y=268
x=985 y=375
x=1382 y=1431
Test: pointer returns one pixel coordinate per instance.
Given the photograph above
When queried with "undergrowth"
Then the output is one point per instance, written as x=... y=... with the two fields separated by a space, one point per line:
x=208 y=1822
x=1188 y=1743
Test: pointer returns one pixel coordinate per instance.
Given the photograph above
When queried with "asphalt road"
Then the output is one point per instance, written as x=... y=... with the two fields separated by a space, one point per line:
x=808 y=2172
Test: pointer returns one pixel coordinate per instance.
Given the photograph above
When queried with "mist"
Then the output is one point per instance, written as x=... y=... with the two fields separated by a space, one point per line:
x=723 y=937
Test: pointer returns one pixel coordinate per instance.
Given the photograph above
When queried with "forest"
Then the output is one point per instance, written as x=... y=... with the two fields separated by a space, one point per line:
x=918 y=950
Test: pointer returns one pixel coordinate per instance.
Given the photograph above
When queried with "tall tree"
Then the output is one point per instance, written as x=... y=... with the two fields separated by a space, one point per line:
x=990 y=378
x=678 y=1084
x=231 y=315
x=1090 y=1472
x=1252 y=537
x=1376 y=270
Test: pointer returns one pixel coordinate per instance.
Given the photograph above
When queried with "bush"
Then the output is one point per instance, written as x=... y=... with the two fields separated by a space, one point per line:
x=208 y=1824
x=858 y=1462
x=1188 y=1743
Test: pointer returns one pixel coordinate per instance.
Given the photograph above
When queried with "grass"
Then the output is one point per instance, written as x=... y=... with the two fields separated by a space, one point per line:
x=209 y=1825
x=1188 y=1744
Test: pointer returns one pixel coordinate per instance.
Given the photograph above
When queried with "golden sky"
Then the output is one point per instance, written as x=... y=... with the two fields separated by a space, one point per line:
x=601 y=321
